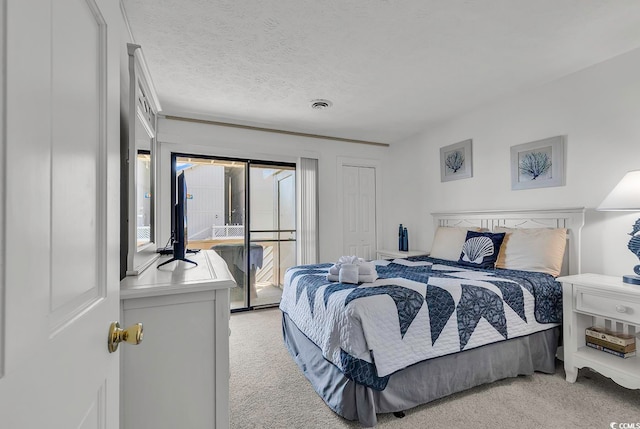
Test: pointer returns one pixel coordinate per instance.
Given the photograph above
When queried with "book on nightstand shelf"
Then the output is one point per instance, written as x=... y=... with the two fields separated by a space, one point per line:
x=611 y=336
x=613 y=352
x=615 y=343
x=613 y=346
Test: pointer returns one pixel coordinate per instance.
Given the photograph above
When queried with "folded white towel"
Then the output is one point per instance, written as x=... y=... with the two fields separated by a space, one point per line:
x=366 y=268
x=348 y=273
x=360 y=271
x=347 y=260
x=367 y=278
x=332 y=278
x=361 y=278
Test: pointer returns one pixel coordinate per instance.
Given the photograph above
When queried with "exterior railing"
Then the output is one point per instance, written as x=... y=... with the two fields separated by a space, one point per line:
x=143 y=233
x=227 y=231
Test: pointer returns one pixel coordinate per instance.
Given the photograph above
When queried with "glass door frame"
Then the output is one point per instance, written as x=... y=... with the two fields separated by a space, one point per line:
x=278 y=231
x=247 y=218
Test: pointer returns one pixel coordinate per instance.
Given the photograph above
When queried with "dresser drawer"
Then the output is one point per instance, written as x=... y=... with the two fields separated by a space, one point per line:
x=608 y=305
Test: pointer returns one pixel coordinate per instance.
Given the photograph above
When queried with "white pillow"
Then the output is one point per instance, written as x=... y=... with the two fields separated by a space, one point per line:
x=532 y=249
x=448 y=241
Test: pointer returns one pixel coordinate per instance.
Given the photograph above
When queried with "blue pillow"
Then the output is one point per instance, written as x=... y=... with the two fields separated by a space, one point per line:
x=480 y=249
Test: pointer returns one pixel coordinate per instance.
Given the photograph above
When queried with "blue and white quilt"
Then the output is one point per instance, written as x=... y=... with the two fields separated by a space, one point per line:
x=419 y=308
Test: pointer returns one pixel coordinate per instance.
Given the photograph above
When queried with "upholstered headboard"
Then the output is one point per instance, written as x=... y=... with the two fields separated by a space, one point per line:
x=572 y=219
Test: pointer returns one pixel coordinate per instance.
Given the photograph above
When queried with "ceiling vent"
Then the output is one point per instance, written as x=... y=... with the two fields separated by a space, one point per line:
x=321 y=104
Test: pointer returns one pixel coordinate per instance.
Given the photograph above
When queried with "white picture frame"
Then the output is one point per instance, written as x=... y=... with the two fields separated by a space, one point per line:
x=538 y=164
x=456 y=161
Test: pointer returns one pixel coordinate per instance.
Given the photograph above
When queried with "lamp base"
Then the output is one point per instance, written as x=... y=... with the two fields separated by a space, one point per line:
x=631 y=279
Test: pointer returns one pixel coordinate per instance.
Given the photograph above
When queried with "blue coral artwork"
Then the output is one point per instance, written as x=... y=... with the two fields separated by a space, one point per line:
x=538 y=164
x=535 y=164
x=455 y=161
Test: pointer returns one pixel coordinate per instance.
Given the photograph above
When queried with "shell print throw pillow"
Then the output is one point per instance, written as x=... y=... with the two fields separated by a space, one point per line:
x=480 y=249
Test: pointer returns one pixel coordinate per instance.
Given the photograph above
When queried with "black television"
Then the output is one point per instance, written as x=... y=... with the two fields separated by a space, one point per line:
x=180 y=218
x=179 y=233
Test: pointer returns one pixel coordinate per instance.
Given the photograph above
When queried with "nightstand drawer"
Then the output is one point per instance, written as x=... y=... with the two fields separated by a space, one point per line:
x=607 y=304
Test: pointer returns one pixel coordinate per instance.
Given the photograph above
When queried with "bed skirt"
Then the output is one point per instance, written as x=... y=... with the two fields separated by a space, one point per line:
x=423 y=382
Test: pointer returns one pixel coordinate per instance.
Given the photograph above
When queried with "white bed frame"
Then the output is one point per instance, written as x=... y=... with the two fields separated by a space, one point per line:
x=572 y=219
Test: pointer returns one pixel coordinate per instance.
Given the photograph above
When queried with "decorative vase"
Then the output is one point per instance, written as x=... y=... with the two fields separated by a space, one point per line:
x=405 y=240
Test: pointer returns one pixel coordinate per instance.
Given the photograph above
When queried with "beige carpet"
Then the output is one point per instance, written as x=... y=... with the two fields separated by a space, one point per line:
x=269 y=391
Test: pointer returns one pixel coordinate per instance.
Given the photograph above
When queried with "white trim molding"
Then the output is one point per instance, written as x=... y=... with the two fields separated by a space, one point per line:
x=142 y=62
x=272 y=130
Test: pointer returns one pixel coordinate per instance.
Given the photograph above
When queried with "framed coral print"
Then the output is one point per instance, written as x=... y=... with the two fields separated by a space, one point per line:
x=538 y=164
x=456 y=161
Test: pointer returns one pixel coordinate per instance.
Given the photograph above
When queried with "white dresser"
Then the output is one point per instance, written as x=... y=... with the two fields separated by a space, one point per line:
x=178 y=377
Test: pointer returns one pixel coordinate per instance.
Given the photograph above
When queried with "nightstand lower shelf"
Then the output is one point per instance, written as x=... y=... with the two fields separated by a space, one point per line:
x=625 y=372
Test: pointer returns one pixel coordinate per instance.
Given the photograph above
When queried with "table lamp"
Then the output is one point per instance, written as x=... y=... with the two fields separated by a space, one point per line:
x=626 y=197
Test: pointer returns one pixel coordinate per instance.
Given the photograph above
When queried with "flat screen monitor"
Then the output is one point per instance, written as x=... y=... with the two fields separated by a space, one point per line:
x=179 y=228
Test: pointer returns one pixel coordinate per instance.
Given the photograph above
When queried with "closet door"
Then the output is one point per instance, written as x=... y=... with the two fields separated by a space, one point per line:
x=359 y=204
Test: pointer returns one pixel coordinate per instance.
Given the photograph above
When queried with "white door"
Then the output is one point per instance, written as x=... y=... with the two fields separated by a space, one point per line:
x=359 y=205
x=60 y=232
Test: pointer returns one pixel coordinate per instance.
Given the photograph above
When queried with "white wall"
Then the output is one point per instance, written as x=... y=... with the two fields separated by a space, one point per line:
x=208 y=139
x=206 y=206
x=598 y=109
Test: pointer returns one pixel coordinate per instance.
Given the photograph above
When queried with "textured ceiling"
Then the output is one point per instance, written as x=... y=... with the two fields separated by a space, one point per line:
x=390 y=67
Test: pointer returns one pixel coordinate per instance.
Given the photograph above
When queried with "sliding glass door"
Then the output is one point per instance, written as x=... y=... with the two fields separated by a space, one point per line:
x=273 y=226
x=245 y=211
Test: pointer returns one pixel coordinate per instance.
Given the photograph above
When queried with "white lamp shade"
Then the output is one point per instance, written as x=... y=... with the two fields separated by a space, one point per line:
x=625 y=196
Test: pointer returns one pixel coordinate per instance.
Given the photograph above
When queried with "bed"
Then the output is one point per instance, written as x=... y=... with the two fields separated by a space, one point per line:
x=428 y=326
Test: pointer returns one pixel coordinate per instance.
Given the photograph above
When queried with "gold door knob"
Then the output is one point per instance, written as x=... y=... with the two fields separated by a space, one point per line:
x=131 y=335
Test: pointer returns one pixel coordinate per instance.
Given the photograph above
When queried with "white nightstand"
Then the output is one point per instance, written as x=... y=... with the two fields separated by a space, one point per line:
x=593 y=299
x=392 y=254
